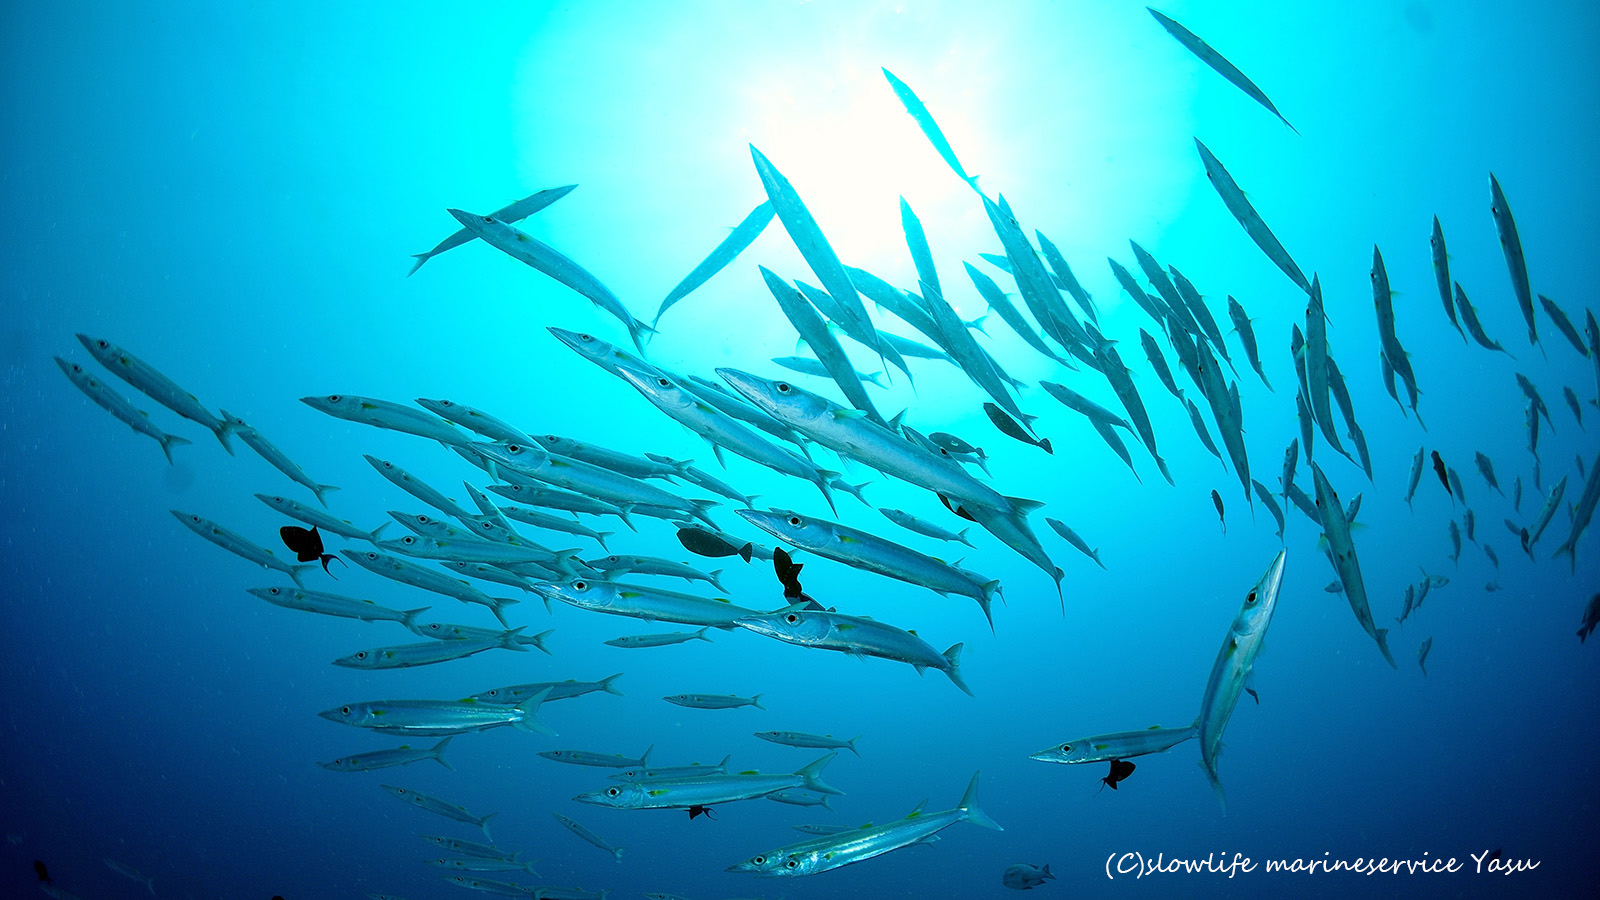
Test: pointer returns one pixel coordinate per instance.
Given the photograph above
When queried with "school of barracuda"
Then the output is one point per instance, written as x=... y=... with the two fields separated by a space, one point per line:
x=557 y=484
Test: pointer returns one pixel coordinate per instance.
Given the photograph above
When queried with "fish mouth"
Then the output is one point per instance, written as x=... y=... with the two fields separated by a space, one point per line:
x=1273 y=580
x=749 y=386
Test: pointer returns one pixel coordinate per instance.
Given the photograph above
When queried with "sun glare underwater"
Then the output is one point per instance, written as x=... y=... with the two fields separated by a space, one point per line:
x=441 y=448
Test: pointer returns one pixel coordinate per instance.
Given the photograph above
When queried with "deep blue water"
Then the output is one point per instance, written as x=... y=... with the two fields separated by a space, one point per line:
x=232 y=194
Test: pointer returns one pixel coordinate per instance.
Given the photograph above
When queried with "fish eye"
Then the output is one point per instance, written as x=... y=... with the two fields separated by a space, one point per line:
x=1250 y=598
x=195 y=518
x=611 y=792
x=345 y=710
x=586 y=338
x=408 y=540
x=446 y=404
x=782 y=386
x=794 y=520
x=792 y=864
x=334 y=398
x=759 y=860
x=274 y=591
x=613 y=558
x=361 y=654
x=488 y=220
x=513 y=448
x=371 y=554
x=580 y=585
x=423 y=518
x=663 y=381
x=1066 y=748
x=791 y=618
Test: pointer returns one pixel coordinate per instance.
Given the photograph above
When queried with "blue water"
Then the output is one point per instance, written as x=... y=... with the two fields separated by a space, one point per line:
x=231 y=193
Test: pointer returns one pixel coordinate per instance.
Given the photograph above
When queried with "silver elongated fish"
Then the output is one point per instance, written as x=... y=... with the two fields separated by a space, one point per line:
x=1486 y=469
x=1121 y=380
x=580 y=477
x=924 y=527
x=1469 y=318
x=473 y=550
x=1511 y=246
x=767 y=864
x=857 y=636
x=1422 y=655
x=383 y=759
x=1073 y=538
x=317 y=518
x=597 y=760
x=1225 y=412
x=620 y=564
x=831 y=311
x=707 y=790
x=474 y=864
x=555 y=498
x=440 y=717
x=1415 y=477
x=734 y=406
x=1393 y=352
x=1271 y=503
x=1080 y=404
x=867 y=442
x=805 y=365
x=724 y=253
x=617 y=461
x=118 y=405
x=238 y=545
x=656 y=773
x=1065 y=278
x=813 y=741
x=442 y=808
x=803 y=316
x=427 y=653
x=1000 y=303
x=865 y=843
x=513 y=694
x=713 y=701
x=589 y=836
x=688 y=408
x=1218 y=63
x=155 y=385
x=335 y=605
x=1033 y=280
x=1233 y=667
x=387 y=415
x=813 y=246
x=1116 y=745
x=1572 y=403
x=1233 y=197
x=1441 y=274
x=1563 y=324
x=555 y=523
x=979 y=366
x=640 y=641
x=701 y=478
x=1247 y=337
x=258 y=442
x=417 y=488
x=538 y=255
x=861 y=550
x=1582 y=512
x=468 y=848
x=647 y=603
x=450 y=633
x=1342 y=553
x=930 y=129
x=474 y=420
x=1200 y=430
x=407 y=572
x=1158 y=362
x=907 y=307
x=1202 y=314
x=514 y=212
x=1316 y=362
x=132 y=874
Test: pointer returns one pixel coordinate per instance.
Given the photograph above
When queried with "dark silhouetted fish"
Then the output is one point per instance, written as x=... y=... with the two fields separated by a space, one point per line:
x=40 y=870
x=1010 y=428
x=1120 y=770
x=307 y=545
x=703 y=542
x=1444 y=477
x=1216 y=500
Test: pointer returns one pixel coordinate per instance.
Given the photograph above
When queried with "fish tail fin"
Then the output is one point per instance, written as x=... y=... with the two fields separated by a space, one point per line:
x=321 y=489
x=962 y=537
x=372 y=536
x=1381 y=635
x=508 y=639
x=617 y=852
x=409 y=617
x=876 y=378
x=608 y=684
x=986 y=603
x=298 y=572
x=747 y=551
x=437 y=753
x=812 y=772
x=1216 y=785
x=538 y=641
x=150 y=883
x=223 y=429
x=716 y=579
x=529 y=708
x=823 y=477
x=601 y=537
x=970 y=810
x=499 y=609
x=484 y=824
x=1044 y=444
x=952 y=656
x=701 y=635
x=756 y=702
x=420 y=259
x=852 y=744
x=644 y=758
x=1566 y=549
x=168 y=441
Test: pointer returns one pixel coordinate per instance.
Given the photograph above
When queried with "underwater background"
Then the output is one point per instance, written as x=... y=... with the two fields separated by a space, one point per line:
x=232 y=192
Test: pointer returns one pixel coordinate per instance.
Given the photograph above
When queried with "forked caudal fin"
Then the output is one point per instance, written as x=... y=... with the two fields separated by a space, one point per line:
x=529 y=709
x=953 y=670
x=812 y=772
x=970 y=810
